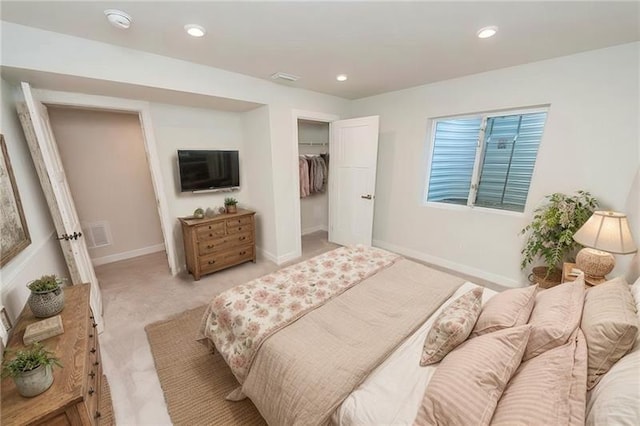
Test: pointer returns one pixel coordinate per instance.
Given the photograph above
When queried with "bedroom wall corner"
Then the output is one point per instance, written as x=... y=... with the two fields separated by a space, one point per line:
x=43 y=255
x=590 y=142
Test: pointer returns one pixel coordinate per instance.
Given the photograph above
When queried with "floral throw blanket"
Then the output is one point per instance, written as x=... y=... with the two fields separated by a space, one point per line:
x=238 y=320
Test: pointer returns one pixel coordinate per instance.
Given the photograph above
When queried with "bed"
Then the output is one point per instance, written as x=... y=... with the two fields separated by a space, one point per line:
x=339 y=339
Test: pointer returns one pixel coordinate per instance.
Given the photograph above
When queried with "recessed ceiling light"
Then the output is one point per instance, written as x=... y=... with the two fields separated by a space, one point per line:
x=118 y=18
x=341 y=77
x=487 y=32
x=195 y=30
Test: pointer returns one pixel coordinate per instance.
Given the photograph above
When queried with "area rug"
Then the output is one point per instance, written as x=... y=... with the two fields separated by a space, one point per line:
x=195 y=382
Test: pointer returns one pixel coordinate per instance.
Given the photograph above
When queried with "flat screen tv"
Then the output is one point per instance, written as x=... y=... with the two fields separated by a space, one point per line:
x=202 y=170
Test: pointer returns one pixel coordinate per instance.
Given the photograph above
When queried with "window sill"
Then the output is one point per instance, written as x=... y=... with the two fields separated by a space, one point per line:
x=460 y=207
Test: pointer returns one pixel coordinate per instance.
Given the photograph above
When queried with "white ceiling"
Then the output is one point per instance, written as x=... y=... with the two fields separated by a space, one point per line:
x=382 y=46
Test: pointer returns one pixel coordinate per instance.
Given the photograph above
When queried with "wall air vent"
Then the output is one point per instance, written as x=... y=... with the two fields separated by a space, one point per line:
x=285 y=76
x=98 y=234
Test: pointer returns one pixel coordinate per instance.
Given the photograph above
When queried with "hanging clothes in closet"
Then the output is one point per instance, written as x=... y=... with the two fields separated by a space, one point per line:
x=314 y=172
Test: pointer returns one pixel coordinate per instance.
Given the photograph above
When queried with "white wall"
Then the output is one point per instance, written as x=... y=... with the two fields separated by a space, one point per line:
x=37 y=50
x=105 y=162
x=258 y=160
x=590 y=142
x=43 y=255
x=314 y=209
x=178 y=127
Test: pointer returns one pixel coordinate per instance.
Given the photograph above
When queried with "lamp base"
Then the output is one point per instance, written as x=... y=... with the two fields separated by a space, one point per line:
x=595 y=264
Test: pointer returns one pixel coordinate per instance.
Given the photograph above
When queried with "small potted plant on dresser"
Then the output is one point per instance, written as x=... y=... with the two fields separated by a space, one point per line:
x=550 y=234
x=47 y=296
x=31 y=370
x=230 y=205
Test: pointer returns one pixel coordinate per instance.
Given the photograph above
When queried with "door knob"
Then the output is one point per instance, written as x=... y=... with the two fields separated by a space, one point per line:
x=367 y=197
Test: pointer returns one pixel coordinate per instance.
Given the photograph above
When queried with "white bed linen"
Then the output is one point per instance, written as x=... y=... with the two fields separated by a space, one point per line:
x=393 y=392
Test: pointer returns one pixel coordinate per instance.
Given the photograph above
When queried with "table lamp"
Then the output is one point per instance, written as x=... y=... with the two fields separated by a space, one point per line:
x=604 y=233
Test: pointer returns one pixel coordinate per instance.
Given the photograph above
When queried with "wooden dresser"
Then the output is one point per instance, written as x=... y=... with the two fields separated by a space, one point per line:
x=74 y=397
x=216 y=243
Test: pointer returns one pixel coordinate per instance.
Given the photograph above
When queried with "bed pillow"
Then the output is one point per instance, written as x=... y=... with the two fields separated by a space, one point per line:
x=452 y=327
x=511 y=308
x=468 y=383
x=549 y=389
x=555 y=316
x=610 y=325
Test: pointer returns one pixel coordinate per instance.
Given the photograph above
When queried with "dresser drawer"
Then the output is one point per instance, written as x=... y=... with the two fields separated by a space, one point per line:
x=226 y=258
x=238 y=229
x=211 y=231
x=221 y=244
x=244 y=220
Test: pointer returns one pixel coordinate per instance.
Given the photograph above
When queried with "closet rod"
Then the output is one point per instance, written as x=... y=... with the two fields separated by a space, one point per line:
x=311 y=143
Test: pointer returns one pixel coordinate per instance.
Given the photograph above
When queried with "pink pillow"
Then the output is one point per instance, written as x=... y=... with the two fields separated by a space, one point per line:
x=468 y=383
x=511 y=308
x=556 y=314
x=549 y=389
x=452 y=326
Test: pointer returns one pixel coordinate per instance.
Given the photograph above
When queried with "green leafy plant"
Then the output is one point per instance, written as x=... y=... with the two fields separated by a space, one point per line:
x=550 y=234
x=230 y=201
x=29 y=359
x=45 y=283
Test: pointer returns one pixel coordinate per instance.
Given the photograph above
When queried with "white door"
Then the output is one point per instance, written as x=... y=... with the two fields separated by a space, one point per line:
x=352 y=180
x=44 y=151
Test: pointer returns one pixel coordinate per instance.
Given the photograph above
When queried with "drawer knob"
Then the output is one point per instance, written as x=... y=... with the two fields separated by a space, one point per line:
x=210 y=246
x=211 y=235
x=91 y=391
x=91 y=335
x=211 y=262
x=242 y=238
x=96 y=363
x=240 y=228
x=98 y=414
x=92 y=374
x=94 y=325
x=243 y=253
x=93 y=350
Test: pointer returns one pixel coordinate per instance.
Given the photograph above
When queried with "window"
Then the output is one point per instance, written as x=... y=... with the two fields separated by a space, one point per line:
x=485 y=160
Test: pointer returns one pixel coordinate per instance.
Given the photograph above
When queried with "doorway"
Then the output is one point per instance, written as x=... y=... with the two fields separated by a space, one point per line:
x=103 y=156
x=313 y=160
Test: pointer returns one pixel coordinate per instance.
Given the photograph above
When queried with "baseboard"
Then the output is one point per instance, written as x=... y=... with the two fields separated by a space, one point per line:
x=313 y=229
x=454 y=266
x=127 y=255
x=267 y=255
x=287 y=257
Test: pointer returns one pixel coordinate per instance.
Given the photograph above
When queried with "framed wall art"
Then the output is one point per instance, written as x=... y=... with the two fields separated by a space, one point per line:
x=14 y=235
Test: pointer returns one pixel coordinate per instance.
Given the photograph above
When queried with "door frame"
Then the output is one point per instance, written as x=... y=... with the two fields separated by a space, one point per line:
x=311 y=116
x=143 y=110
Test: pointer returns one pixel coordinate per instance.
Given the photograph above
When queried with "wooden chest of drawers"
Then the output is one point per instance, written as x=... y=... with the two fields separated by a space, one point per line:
x=217 y=243
x=74 y=397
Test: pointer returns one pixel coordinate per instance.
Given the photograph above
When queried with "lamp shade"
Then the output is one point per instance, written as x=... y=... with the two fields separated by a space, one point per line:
x=606 y=231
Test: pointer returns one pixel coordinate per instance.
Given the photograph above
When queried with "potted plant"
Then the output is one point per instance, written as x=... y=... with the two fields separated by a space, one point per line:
x=31 y=370
x=230 y=205
x=550 y=234
x=47 y=296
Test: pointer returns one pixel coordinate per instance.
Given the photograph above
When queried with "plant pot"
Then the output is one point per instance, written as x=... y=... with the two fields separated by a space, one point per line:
x=544 y=279
x=34 y=382
x=46 y=304
x=231 y=209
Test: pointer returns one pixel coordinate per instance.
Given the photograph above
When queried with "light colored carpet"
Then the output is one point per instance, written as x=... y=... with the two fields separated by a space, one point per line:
x=195 y=382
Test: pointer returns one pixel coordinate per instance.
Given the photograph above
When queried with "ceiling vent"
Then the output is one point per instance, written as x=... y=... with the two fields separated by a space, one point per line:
x=118 y=18
x=285 y=76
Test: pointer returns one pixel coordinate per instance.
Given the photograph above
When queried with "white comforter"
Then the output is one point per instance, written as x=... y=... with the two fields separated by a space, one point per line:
x=392 y=394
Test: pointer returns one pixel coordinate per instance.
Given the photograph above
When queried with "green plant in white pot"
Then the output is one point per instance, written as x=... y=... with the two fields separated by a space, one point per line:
x=47 y=296
x=31 y=369
x=550 y=233
x=230 y=205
